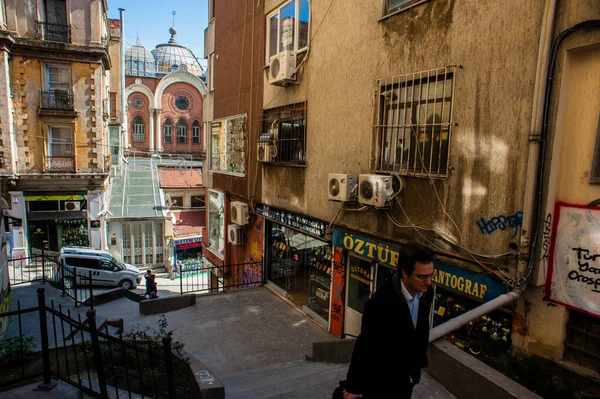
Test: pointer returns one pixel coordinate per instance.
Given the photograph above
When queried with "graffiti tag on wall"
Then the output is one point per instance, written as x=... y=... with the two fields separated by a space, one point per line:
x=501 y=222
x=337 y=299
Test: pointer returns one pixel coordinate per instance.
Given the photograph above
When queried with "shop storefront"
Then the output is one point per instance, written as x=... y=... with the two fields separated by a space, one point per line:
x=298 y=260
x=57 y=220
x=188 y=256
x=361 y=264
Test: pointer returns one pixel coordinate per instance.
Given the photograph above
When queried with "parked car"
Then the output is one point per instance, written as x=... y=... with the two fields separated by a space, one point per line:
x=105 y=269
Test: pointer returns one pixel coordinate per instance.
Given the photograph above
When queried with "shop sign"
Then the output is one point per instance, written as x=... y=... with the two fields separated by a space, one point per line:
x=305 y=224
x=190 y=242
x=367 y=248
x=573 y=278
x=54 y=198
x=451 y=277
x=477 y=285
x=361 y=274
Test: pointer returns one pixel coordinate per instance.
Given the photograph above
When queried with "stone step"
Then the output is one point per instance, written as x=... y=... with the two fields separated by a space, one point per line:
x=300 y=379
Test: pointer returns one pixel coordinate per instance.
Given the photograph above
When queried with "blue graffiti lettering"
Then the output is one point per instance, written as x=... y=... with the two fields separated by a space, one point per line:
x=501 y=222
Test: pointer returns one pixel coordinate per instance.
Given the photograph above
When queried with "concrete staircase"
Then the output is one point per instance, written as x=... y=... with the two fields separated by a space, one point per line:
x=291 y=380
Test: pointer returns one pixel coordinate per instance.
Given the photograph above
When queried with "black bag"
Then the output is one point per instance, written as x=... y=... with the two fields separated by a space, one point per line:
x=338 y=393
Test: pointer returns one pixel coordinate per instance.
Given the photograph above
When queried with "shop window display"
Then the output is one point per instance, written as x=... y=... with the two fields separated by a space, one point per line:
x=301 y=266
x=189 y=262
x=488 y=335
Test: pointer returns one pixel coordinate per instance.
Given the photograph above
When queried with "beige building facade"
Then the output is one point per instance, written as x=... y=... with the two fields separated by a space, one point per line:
x=57 y=58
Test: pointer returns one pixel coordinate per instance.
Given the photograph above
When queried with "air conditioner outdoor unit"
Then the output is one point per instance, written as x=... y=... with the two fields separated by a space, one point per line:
x=235 y=234
x=375 y=190
x=265 y=152
x=342 y=187
x=239 y=213
x=282 y=67
x=72 y=206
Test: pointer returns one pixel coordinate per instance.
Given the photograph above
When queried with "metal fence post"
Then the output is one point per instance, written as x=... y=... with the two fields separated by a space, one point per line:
x=44 y=247
x=91 y=315
x=91 y=282
x=75 y=285
x=48 y=384
x=169 y=367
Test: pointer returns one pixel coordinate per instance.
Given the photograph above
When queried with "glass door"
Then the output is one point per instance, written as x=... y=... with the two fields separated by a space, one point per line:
x=359 y=286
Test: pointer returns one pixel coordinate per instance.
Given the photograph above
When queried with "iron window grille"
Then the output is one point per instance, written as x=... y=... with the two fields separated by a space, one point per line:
x=181 y=131
x=57 y=99
x=137 y=126
x=413 y=123
x=53 y=32
x=582 y=345
x=196 y=132
x=284 y=135
x=167 y=131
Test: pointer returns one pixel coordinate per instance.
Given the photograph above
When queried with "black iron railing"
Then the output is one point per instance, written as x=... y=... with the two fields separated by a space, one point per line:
x=57 y=100
x=59 y=164
x=89 y=354
x=53 y=32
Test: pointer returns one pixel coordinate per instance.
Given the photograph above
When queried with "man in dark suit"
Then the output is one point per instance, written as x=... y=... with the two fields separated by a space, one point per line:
x=391 y=348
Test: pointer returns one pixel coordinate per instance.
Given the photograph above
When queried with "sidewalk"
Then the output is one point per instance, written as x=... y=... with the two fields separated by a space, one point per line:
x=244 y=337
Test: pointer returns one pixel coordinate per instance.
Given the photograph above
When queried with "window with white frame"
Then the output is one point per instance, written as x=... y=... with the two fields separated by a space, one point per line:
x=181 y=131
x=168 y=131
x=138 y=131
x=196 y=132
x=287 y=27
x=413 y=123
x=391 y=6
x=228 y=147
x=58 y=77
x=60 y=141
x=216 y=222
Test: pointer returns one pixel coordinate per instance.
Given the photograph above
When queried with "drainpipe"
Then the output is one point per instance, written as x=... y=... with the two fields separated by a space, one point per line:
x=124 y=139
x=531 y=188
x=535 y=138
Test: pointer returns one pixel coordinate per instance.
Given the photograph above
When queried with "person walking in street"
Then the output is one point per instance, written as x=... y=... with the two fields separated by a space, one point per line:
x=391 y=347
x=151 y=286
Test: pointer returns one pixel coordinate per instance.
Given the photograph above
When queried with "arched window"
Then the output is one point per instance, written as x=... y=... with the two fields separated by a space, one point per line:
x=181 y=131
x=137 y=127
x=167 y=130
x=196 y=132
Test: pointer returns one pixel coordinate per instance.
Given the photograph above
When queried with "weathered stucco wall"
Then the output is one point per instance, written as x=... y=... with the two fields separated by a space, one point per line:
x=494 y=46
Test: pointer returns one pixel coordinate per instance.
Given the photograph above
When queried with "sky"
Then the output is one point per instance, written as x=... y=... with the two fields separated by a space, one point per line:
x=151 y=20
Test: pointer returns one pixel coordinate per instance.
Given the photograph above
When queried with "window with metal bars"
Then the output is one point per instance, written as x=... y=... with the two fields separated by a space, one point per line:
x=582 y=345
x=196 y=132
x=167 y=130
x=181 y=131
x=284 y=135
x=137 y=126
x=413 y=115
x=595 y=175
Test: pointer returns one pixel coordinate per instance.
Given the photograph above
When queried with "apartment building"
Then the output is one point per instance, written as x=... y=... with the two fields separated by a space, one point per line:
x=55 y=111
x=470 y=127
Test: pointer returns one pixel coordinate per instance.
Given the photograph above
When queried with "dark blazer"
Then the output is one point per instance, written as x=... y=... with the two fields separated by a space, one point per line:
x=389 y=351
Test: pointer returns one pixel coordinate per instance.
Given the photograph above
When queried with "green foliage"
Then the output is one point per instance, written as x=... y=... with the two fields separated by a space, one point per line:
x=148 y=333
x=13 y=348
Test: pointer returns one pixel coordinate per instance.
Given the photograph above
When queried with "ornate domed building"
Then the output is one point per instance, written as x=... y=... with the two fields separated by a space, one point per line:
x=164 y=91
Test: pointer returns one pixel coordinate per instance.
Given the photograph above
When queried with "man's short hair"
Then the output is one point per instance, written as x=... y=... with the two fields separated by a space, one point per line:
x=413 y=252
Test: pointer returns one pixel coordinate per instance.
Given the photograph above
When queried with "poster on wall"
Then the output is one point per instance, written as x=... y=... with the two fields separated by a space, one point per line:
x=573 y=278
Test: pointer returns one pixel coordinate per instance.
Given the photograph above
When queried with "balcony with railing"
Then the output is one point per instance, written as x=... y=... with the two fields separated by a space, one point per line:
x=59 y=164
x=53 y=32
x=57 y=100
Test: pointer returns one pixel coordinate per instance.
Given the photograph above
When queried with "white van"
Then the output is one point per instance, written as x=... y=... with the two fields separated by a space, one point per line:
x=105 y=269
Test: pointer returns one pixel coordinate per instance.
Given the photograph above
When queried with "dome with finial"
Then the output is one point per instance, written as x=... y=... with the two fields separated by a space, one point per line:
x=139 y=61
x=172 y=56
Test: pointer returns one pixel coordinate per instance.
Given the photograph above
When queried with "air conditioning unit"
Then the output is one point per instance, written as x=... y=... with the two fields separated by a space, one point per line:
x=342 y=187
x=235 y=234
x=72 y=206
x=375 y=190
x=282 y=67
x=265 y=152
x=240 y=213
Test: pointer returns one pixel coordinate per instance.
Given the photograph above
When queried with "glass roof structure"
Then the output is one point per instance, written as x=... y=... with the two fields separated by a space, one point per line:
x=171 y=56
x=137 y=194
x=139 y=61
